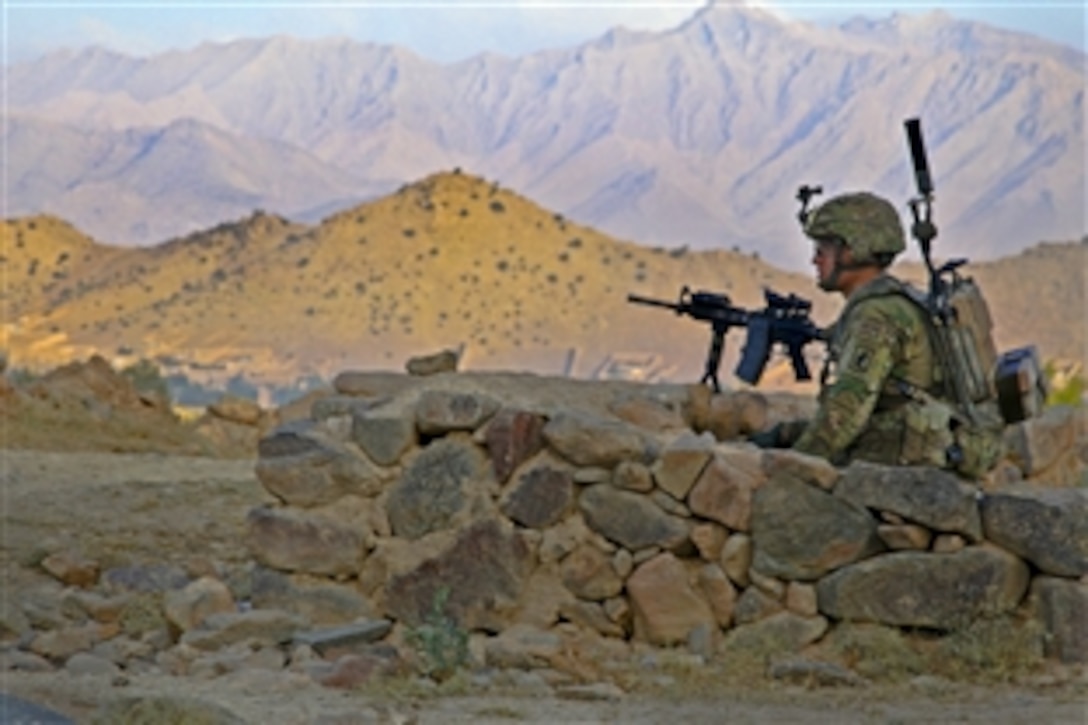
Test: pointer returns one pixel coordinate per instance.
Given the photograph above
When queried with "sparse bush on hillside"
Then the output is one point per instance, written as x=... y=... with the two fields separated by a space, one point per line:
x=23 y=376
x=409 y=233
x=575 y=243
x=497 y=206
x=1064 y=387
x=679 y=252
x=147 y=378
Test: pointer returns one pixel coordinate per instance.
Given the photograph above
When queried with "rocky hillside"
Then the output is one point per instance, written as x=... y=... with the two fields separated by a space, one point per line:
x=453 y=261
x=693 y=135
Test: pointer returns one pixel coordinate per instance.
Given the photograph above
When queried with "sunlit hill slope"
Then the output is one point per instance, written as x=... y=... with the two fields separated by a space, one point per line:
x=450 y=261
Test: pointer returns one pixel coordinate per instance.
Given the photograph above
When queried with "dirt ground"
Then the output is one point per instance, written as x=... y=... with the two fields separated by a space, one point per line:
x=125 y=508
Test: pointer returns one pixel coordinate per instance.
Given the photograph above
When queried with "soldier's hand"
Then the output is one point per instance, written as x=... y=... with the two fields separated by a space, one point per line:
x=770 y=438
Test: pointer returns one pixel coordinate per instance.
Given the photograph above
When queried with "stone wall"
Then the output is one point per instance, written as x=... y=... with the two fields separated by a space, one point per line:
x=639 y=512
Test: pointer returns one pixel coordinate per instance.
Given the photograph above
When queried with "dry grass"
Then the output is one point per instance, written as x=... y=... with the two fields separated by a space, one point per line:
x=985 y=651
x=38 y=425
x=989 y=650
x=874 y=651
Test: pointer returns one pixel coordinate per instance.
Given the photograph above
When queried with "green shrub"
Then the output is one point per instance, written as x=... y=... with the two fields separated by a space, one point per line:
x=1065 y=388
x=440 y=643
x=146 y=378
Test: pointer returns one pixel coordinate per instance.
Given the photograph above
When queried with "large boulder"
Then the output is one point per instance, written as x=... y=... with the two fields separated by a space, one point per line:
x=1061 y=606
x=928 y=496
x=1048 y=527
x=922 y=589
x=317 y=599
x=723 y=492
x=441 y=411
x=384 y=435
x=802 y=532
x=681 y=462
x=311 y=541
x=443 y=484
x=630 y=519
x=512 y=437
x=302 y=464
x=1037 y=443
x=588 y=573
x=666 y=607
x=588 y=440
x=482 y=571
x=540 y=494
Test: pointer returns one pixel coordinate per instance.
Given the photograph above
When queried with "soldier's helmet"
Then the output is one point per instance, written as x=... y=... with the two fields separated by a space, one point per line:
x=866 y=223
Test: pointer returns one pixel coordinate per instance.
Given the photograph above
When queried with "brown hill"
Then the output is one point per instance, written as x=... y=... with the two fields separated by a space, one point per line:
x=450 y=261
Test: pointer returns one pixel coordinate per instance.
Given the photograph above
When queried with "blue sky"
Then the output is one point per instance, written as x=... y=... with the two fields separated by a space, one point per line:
x=445 y=30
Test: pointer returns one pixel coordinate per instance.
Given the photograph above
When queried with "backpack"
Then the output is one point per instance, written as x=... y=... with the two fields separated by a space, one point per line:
x=986 y=390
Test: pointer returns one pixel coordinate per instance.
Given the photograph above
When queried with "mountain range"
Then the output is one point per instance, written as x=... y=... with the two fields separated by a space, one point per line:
x=696 y=136
x=451 y=261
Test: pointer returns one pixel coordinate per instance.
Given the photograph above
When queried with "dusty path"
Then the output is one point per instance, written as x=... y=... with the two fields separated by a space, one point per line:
x=124 y=508
x=267 y=698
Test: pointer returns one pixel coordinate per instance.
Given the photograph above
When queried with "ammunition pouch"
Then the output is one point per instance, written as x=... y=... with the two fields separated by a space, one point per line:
x=936 y=434
x=979 y=445
x=1020 y=384
x=927 y=434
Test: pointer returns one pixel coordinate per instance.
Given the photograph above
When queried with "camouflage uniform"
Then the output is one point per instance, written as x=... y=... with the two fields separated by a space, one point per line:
x=880 y=391
x=880 y=341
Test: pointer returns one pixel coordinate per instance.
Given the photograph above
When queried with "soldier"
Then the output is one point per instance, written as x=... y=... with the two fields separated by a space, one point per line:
x=880 y=390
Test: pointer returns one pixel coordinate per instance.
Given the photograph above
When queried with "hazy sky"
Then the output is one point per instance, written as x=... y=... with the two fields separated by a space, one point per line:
x=445 y=30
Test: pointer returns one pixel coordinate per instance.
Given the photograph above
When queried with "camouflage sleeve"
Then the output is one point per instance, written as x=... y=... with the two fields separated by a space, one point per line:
x=870 y=347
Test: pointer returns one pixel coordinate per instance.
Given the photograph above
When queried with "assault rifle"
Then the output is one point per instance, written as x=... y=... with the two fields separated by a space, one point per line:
x=784 y=320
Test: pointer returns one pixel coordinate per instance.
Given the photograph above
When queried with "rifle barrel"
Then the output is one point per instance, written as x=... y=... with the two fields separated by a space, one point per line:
x=638 y=299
